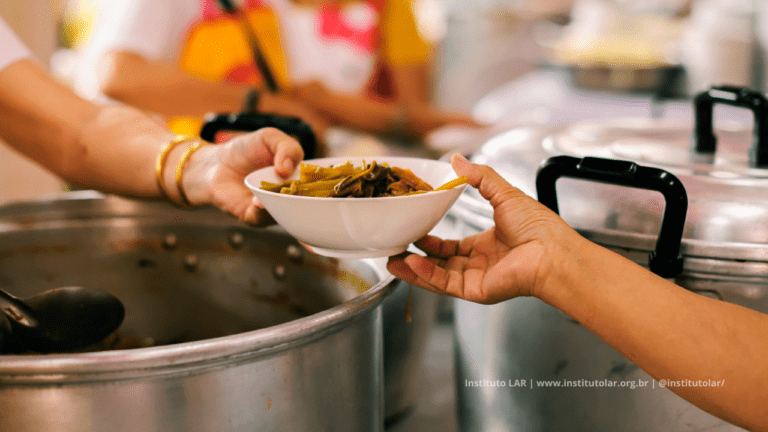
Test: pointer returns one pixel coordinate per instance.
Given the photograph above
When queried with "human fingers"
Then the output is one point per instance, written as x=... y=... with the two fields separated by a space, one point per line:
x=436 y=246
x=416 y=270
x=457 y=276
x=488 y=182
x=267 y=146
x=397 y=266
x=286 y=151
x=256 y=215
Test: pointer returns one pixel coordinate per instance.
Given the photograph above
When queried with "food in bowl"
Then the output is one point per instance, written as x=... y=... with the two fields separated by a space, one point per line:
x=346 y=180
x=363 y=227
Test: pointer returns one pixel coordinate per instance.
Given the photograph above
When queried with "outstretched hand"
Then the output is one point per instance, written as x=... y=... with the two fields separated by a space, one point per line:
x=508 y=260
x=217 y=173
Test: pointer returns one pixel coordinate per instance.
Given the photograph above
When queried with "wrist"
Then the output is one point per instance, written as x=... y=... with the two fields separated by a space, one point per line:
x=584 y=277
x=565 y=270
x=185 y=171
x=197 y=175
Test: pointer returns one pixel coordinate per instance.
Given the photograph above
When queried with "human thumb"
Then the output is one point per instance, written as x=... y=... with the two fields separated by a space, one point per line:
x=488 y=182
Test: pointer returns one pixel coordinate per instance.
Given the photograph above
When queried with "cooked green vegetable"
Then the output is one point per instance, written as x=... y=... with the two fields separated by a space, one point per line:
x=344 y=181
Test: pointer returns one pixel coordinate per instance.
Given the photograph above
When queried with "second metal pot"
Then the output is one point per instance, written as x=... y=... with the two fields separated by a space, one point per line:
x=525 y=366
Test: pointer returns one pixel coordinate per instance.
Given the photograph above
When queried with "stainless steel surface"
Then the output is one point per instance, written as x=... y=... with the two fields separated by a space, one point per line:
x=253 y=360
x=617 y=78
x=529 y=343
x=405 y=345
x=428 y=376
x=435 y=407
x=510 y=356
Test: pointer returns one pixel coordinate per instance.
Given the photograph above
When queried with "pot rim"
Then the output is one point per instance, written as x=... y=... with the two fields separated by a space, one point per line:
x=167 y=359
x=132 y=363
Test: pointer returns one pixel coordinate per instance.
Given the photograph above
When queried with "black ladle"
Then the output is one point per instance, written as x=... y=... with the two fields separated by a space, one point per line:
x=58 y=320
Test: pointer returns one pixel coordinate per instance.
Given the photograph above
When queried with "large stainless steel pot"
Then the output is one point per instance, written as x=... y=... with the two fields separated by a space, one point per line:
x=270 y=337
x=404 y=341
x=506 y=352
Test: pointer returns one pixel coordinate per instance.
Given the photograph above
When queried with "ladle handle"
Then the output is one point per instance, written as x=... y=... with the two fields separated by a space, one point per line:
x=17 y=310
x=249 y=122
x=665 y=260
x=704 y=139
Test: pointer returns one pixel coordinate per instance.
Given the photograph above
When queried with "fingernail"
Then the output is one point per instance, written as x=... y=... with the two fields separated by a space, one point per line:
x=460 y=157
x=459 y=160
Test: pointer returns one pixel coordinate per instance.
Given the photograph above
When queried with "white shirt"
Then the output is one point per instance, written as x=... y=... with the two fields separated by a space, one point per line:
x=337 y=63
x=11 y=48
x=154 y=29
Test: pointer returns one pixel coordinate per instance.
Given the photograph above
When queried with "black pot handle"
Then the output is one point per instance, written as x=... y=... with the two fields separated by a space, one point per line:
x=249 y=122
x=665 y=260
x=704 y=139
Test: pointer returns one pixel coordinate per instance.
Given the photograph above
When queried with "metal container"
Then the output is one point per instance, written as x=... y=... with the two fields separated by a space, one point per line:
x=720 y=249
x=246 y=330
x=619 y=79
x=405 y=346
x=404 y=341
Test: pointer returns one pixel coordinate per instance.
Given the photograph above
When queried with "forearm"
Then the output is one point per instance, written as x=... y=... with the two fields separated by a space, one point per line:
x=402 y=117
x=411 y=93
x=358 y=112
x=119 y=148
x=668 y=331
x=165 y=89
x=107 y=148
x=37 y=114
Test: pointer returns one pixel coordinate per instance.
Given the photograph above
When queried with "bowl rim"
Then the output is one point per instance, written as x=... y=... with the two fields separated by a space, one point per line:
x=259 y=190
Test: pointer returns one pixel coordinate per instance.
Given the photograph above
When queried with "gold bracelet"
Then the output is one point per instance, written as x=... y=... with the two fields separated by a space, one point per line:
x=180 y=169
x=161 y=158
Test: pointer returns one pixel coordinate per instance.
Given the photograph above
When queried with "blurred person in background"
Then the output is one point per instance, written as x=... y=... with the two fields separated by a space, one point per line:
x=47 y=122
x=358 y=64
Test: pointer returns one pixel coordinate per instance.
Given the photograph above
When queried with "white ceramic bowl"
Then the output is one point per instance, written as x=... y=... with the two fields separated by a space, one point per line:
x=360 y=227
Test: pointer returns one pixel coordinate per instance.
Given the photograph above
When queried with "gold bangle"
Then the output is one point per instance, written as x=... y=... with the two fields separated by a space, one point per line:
x=180 y=169
x=163 y=156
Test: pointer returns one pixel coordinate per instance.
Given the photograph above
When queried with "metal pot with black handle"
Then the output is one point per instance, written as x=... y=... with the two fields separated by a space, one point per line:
x=661 y=193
